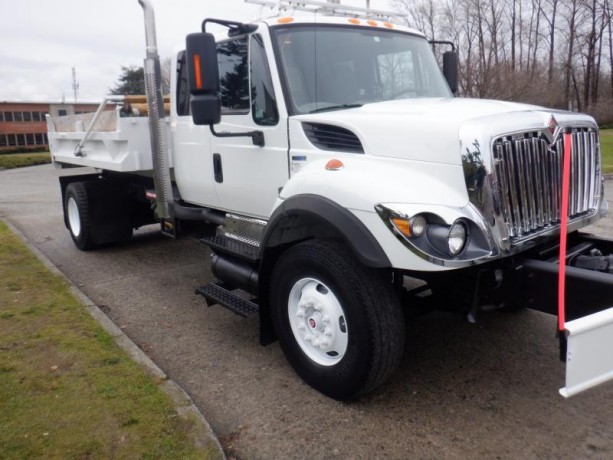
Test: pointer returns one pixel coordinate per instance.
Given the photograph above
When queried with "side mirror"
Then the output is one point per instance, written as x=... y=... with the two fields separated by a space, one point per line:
x=450 y=70
x=203 y=78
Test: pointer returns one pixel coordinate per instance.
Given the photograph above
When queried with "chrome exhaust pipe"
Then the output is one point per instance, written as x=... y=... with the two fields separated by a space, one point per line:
x=157 y=132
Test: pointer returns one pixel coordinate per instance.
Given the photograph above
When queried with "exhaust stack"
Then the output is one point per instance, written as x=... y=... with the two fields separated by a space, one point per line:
x=155 y=103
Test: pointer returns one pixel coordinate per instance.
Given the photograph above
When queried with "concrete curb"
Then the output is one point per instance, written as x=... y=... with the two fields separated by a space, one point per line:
x=201 y=432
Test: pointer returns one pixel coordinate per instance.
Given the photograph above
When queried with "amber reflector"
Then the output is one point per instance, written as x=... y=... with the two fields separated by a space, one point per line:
x=334 y=165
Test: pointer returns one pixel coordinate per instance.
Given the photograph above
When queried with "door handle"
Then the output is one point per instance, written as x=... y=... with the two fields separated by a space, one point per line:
x=217 y=168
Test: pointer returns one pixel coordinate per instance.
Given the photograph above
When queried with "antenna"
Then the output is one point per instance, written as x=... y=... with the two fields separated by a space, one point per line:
x=75 y=84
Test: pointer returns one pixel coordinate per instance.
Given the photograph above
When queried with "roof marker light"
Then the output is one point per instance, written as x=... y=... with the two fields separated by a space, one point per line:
x=389 y=25
x=354 y=21
x=334 y=165
x=372 y=23
x=285 y=20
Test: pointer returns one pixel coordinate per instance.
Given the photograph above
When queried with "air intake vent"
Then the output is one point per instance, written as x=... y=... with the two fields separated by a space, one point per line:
x=328 y=137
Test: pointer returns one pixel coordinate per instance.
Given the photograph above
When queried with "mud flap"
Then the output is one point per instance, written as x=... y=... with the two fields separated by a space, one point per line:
x=589 y=355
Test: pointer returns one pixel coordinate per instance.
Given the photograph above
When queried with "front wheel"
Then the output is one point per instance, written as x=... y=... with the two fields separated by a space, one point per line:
x=339 y=323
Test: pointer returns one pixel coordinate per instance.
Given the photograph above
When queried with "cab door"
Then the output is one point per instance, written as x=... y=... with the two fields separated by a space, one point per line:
x=248 y=177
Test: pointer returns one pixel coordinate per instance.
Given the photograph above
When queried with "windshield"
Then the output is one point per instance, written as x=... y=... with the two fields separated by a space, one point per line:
x=334 y=67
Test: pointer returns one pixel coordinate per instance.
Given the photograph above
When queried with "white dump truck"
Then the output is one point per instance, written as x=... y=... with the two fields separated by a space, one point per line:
x=322 y=155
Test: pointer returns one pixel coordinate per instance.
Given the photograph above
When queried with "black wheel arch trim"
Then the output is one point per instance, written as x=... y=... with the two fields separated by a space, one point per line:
x=330 y=215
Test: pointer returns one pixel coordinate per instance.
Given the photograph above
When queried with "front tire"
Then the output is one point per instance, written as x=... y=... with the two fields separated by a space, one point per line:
x=339 y=323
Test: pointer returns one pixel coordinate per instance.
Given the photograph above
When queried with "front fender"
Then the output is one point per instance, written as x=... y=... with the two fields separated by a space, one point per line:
x=309 y=215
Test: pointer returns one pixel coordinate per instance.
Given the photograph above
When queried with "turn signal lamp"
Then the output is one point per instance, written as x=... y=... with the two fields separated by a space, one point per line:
x=197 y=74
x=402 y=225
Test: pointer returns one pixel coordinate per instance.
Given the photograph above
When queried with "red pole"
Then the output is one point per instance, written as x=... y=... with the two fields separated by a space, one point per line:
x=564 y=233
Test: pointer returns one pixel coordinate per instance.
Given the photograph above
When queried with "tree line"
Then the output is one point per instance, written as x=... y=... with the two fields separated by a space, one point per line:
x=557 y=53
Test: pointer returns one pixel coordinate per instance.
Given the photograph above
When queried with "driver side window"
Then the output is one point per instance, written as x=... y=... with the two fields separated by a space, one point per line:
x=232 y=60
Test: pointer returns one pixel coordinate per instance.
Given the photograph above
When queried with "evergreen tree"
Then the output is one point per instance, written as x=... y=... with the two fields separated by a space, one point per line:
x=130 y=82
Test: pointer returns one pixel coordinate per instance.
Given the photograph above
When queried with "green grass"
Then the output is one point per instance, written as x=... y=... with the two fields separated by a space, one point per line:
x=606 y=149
x=19 y=160
x=66 y=390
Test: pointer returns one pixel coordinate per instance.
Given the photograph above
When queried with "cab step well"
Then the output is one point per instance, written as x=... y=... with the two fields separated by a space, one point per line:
x=217 y=294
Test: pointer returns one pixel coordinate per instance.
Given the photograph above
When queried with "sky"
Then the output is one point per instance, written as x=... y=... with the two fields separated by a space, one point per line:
x=42 y=40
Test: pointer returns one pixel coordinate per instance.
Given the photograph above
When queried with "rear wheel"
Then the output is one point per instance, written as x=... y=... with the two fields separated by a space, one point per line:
x=77 y=211
x=98 y=212
x=339 y=323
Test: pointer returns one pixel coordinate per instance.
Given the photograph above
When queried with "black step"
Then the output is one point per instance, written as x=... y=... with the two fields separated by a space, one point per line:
x=230 y=246
x=216 y=294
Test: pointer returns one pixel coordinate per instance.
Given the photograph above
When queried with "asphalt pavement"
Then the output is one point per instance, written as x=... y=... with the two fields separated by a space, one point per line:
x=485 y=390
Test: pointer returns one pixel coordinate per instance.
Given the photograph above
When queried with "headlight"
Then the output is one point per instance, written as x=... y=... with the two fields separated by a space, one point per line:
x=448 y=238
x=457 y=238
x=418 y=225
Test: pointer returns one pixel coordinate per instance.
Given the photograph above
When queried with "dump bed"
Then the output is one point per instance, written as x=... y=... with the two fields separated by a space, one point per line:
x=114 y=143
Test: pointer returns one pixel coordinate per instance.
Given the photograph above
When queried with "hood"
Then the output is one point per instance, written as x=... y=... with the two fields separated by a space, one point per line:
x=428 y=129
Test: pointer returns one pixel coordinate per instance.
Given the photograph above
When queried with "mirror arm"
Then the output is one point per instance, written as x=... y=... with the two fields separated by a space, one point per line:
x=256 y=136
x=443 y=42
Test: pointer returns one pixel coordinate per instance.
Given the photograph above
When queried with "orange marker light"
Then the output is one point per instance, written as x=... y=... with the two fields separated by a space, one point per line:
x=354 y=21
x=402 y=225
x=197 y=73
x=389 y=25
x=285 y=20
x=334 y=165
x=372 y=23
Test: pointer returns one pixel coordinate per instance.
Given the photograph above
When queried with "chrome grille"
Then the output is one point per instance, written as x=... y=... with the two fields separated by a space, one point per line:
x=528 y=172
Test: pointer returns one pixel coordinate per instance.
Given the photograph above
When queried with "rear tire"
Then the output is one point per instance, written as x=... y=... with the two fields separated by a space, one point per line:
x=339 y=323
x=77 y=212
x=98 y=212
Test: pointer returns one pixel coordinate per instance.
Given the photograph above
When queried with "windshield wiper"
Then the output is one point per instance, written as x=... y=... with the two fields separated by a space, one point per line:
x=337 y=107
